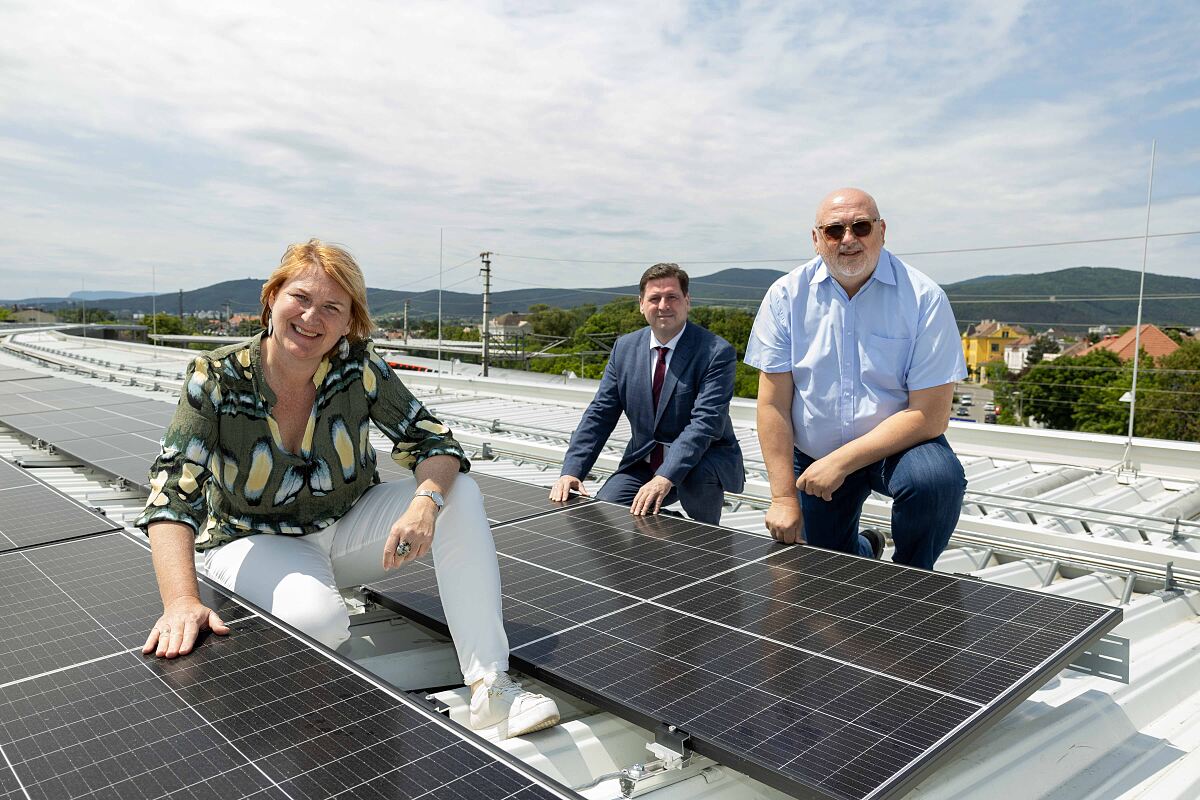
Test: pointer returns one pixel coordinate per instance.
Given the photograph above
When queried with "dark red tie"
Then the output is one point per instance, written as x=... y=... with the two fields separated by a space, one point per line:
x=660 y=374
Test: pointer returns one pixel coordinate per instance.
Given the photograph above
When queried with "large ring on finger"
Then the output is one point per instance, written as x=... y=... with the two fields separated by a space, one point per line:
x=403 y=549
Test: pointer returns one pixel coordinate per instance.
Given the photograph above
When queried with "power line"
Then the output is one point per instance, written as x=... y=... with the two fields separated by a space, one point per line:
x=1020 y=383
x=1049 y=298
x=1052 y=365
x=793 y=260
x=1026 y=402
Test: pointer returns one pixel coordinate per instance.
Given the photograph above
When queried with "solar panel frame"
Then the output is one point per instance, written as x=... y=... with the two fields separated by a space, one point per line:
x=957 y=719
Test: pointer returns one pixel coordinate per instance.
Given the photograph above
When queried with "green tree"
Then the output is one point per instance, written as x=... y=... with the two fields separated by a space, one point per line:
x=1168 y=397
x=1053 y=392
x=550 y=321
x=165 y=323
x=5 y=313
x=75 y=314
x=1004 y=392
x=1041 y=346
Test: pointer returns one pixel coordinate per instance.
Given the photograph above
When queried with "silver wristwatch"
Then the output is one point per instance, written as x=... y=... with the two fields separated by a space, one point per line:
x=436 y=497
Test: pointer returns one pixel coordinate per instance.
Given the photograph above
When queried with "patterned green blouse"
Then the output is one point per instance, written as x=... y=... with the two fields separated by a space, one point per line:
x=223 y=469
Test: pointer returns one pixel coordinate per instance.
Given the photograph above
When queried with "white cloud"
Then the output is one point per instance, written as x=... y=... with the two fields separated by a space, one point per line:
x=204 y=137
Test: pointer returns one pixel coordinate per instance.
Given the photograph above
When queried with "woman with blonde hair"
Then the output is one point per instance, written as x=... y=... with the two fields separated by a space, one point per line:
x=267 y=471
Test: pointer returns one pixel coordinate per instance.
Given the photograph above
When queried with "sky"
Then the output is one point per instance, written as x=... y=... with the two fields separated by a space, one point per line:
x=187 y=143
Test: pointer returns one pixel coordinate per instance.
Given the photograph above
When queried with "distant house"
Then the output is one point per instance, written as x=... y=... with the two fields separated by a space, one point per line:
x=1016 y=355
x=985 y=342
x=33 y=315
x=1153 y=341
x=510 y=324
x=1074 y=349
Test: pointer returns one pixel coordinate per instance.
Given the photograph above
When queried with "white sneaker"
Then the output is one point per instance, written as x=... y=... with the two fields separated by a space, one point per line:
x=500 y=701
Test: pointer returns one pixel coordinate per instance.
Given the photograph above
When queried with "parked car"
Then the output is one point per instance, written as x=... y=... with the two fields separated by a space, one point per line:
x=966 y=398
x=989 y=418
x=989 y=408
x=962 y=411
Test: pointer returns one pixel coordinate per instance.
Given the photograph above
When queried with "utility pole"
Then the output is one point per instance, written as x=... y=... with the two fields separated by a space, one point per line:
x=406 y=302
x=487 y=305
x=181 y=304
x=153 y=305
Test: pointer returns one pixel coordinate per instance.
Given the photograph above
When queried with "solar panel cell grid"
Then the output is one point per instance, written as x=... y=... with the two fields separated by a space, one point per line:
x=111 y=578
x=11 y=475
x=34 y=513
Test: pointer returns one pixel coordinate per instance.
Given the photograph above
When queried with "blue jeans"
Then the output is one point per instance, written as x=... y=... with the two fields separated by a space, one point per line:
x=926 y=484
x=700 y=493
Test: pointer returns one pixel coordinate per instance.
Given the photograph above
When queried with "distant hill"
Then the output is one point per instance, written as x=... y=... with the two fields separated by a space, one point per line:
x=1043 y=299
x=90 y=296
x=1170 y=300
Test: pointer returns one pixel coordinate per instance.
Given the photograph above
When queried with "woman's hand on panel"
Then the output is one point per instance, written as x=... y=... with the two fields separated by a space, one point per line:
x=182 y=621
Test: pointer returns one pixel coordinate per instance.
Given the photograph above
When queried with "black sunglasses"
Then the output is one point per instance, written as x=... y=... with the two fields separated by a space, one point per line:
x=861 y=228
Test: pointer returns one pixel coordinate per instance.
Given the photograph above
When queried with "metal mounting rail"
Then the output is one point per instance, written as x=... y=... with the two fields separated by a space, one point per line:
x=1174 y=522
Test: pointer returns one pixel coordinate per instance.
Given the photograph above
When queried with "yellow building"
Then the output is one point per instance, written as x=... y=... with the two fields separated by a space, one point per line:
x=984 y=342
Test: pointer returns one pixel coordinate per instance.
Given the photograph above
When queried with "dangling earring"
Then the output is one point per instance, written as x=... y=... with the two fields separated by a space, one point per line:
x=270 y=325
x=344 y=348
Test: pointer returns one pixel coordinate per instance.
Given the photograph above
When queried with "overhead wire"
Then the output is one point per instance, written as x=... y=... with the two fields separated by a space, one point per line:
x=988 y=248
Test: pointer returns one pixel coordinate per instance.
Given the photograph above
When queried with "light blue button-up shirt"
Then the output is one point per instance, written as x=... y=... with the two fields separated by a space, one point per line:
x=854 y=360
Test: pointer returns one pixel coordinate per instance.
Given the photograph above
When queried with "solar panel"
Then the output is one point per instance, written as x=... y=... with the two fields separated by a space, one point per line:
x=12 y=476
x=257 y=713
x=507 y=501
x=33 y=513
x=36 y=383
x=59 y=399
x=58 y=426
x=504 y=500
x=18 y=374
x=823 y=674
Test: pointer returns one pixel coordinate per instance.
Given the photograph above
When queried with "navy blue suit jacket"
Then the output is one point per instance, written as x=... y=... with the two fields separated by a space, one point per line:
x=693 y=408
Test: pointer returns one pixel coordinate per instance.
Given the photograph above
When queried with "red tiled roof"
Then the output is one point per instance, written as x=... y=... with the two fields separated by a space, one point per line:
x=1153 y=341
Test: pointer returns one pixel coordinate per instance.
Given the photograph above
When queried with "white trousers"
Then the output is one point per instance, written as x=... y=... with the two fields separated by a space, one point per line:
x=296 y=578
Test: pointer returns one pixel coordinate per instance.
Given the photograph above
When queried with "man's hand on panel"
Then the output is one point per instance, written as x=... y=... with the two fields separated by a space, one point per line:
x=649 y=498
x=561 y=490
x=785 y=521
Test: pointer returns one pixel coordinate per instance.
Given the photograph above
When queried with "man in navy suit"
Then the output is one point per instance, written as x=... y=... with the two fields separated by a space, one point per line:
x=674 y=382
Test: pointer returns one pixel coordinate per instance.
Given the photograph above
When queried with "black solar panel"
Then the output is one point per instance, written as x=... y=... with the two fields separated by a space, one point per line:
x=822 y=674
x=256 y=713
x=507 y=501
x=33 y=513
x=504 y=500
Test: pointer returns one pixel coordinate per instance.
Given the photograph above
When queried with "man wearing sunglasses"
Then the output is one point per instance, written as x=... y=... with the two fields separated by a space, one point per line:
x=859 y=354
